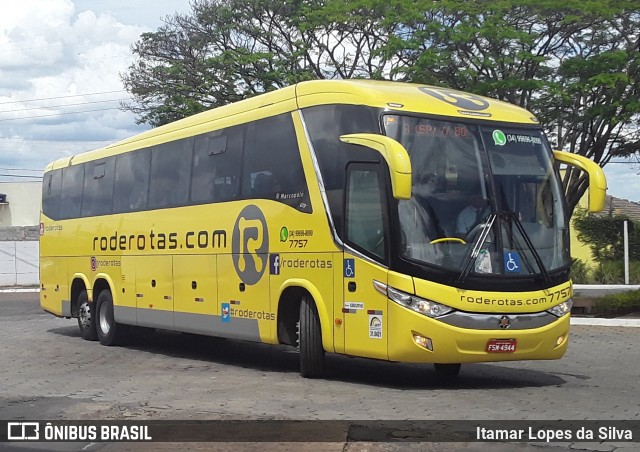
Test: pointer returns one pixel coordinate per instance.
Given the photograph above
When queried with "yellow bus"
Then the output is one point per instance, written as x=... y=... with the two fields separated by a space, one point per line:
x=384 y=220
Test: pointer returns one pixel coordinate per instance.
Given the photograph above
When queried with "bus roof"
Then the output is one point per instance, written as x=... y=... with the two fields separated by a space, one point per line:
x=409 y=97
x=392 y=96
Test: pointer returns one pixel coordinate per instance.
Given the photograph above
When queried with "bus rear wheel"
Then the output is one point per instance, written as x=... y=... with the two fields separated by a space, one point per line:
x=86 y=317
x=310 y=340
x=447 y=370
x=109 y=332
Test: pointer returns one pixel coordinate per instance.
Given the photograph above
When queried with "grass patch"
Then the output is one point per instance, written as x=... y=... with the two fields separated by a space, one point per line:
x=618 y=303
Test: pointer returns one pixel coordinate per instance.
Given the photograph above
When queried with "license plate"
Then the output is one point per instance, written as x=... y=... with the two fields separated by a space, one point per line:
x=501 y=346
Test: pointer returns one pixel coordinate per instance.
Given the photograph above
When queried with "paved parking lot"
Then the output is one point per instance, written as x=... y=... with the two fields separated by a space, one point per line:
x=49 y=372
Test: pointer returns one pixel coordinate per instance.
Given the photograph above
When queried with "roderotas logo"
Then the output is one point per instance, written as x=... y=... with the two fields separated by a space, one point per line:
x=458 y=99
x=250 y=244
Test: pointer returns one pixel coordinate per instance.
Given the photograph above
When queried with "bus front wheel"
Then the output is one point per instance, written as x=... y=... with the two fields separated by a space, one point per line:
x=86 y=317
x=310 y=340
x=109 y=332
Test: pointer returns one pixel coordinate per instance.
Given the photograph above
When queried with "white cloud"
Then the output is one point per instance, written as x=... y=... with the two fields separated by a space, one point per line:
x=25 y=46
x=55 y=53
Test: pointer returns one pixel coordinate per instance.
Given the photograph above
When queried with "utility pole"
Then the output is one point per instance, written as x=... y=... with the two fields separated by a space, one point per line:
x=625 y=231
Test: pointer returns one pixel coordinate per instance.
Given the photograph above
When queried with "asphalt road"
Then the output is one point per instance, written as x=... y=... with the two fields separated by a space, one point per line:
x=49 y=372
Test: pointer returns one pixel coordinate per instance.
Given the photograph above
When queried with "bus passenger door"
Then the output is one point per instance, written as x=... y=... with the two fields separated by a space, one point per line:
x=365 y=316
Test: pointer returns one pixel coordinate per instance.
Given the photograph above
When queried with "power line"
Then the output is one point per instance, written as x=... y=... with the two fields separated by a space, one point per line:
x=62 y=97
x=62 y=106
x=19 y=169
x=66 y=142
x=34 y=140
x=60 y=114
x=21 y=176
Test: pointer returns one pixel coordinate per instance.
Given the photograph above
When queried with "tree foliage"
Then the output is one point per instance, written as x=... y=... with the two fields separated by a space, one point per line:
x=574 y=64
x=604 y=235
x=227 y=50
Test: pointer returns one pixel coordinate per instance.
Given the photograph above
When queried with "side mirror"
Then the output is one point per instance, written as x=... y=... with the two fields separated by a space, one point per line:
x=394 y=154
x=597 y=179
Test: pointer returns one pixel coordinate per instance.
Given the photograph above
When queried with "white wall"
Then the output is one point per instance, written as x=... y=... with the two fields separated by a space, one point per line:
x=18 y=242
x=19 y=263
x=24 y=200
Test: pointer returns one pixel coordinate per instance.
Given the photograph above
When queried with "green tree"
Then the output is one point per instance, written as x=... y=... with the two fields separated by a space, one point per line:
x=604 y=236
x=575 y=64
x=227 y=50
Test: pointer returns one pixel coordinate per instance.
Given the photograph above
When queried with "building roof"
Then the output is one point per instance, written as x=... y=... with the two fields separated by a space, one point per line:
x=617 y=206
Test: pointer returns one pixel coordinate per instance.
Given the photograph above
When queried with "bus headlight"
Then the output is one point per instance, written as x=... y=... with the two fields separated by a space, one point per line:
x=562 y=308
x=417 y=304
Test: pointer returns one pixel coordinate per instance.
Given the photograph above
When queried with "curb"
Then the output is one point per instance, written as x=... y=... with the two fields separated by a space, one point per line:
x=593 y=321
x=20 y=290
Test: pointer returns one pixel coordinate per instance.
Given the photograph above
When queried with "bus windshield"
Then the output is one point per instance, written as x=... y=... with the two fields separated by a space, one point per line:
x=485 y=198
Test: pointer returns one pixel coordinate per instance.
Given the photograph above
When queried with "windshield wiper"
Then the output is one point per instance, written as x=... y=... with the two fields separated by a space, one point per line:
x=513 y=217
x=477 y=246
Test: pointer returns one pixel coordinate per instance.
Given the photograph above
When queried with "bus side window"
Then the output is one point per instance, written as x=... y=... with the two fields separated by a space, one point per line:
x=206 y=150
x=264 y=185
x=132 y=181
x=272 y=166
x=216 y=159
x=51 y=194
x=364 y=210
x=170 y=174
x=72 y=183
x=98 y=187
x=325 y=124
x=228 y=163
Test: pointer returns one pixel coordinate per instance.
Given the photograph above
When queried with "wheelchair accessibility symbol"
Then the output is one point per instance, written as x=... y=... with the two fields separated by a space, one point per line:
x=512 y=262
x=349 y=268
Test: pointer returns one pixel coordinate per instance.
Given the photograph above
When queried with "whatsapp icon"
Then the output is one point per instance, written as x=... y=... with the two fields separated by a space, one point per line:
x=499 y=138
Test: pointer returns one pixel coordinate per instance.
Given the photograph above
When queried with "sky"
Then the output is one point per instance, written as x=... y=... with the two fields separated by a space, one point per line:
x=60 y=87
x=60 y=66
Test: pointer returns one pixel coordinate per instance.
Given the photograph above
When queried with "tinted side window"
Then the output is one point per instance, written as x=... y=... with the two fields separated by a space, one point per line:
x=72 y=183
x=325 y=124
x=51 y=186
x=170 y=174
x=216 y=162
x=365 y=222
x=272 y=165
x=98 y=187
x=131 y=181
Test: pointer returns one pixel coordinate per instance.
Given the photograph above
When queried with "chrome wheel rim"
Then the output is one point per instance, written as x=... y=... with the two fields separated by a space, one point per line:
x=104 y=321
x=84 y=315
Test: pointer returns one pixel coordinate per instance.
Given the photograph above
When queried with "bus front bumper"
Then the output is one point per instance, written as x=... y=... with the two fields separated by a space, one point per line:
x=419 y=339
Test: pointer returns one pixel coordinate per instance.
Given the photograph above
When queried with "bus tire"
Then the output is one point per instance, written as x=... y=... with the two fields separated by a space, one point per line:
x=447 y=370
x=109 y=332
x=86 y=317
x=310 y=340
